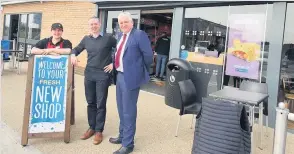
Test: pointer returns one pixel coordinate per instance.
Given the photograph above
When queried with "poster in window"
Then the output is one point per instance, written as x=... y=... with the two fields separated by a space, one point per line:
x=246 y=34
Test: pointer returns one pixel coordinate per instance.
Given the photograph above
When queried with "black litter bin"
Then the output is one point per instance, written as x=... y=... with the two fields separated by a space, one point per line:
x=177 y=70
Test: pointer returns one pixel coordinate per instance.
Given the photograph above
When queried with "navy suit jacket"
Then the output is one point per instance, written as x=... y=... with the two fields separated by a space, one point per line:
x=137 y=59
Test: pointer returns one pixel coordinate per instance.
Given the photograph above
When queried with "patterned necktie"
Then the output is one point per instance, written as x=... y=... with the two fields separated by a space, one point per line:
x=117 y=57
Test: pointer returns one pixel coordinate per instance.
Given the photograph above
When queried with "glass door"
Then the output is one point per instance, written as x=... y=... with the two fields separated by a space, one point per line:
x=112 y=26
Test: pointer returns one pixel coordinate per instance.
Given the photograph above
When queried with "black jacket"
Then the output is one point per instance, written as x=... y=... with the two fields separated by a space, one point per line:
x=162 y=46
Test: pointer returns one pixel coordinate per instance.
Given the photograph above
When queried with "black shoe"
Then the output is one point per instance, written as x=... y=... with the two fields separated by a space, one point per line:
x=115 y=140
x=155 y=76
x=124 y=150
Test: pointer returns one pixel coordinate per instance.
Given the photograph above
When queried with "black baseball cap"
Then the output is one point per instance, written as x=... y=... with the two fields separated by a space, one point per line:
x=57 y=26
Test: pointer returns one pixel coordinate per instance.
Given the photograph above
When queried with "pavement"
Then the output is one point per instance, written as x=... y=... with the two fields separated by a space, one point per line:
x=156 y=125
x=9 y=143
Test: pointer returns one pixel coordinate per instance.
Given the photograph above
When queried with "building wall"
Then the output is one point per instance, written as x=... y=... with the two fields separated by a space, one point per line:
x=73 y=15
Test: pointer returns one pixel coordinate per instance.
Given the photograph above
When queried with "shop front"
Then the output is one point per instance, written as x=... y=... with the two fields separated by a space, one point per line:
x=225 y=42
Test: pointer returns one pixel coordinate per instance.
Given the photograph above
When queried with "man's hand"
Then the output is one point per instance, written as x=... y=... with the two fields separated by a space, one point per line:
x=108 y=68
x=74 y=60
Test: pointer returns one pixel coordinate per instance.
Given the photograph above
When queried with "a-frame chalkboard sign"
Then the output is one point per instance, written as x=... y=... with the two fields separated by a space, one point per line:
x=49 y=100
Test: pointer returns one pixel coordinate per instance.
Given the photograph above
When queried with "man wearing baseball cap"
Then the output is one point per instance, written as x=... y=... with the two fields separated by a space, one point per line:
x=54 y=45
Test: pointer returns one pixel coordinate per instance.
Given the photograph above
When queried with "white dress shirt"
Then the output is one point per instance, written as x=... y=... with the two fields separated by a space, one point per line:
x=121 y=68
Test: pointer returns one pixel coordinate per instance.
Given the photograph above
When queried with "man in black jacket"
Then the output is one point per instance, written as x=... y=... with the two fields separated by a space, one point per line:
x=162 y=49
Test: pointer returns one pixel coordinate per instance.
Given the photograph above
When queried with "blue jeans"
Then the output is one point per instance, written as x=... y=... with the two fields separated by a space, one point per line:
x=160 y=64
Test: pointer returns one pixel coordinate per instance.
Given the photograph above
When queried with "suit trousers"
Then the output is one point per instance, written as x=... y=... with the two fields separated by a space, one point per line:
x=96 y=95
x=127 y=109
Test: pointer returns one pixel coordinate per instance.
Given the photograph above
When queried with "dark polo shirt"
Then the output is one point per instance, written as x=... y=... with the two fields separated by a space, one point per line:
x=43 y=44
x=99 y=55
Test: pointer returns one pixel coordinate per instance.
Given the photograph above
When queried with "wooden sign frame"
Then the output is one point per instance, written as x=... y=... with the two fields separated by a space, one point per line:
x=69 y=112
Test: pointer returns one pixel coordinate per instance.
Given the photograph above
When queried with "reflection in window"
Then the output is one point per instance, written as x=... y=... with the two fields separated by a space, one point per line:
x=287 y=68
x=34 y=26
x=205 y=31
x=6 y=27
x=22 y=26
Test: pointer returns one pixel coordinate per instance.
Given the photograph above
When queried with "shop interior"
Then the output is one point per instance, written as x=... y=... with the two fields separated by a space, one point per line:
x=155 y=23
x=14 y=27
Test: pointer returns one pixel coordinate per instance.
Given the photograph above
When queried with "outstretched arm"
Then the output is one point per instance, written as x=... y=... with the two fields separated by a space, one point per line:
x=77 y=50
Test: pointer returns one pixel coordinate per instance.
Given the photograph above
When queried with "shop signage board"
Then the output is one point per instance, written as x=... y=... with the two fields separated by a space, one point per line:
x=246 y=35
x=48 y=103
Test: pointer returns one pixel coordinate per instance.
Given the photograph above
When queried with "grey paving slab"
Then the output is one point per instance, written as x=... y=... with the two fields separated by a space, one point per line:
x=10 y=142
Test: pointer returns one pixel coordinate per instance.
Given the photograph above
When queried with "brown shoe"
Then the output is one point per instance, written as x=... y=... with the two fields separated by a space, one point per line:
x=98 y=138
x=88 y=134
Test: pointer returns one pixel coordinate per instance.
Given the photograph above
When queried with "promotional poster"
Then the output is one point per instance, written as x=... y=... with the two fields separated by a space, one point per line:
x=246 y=34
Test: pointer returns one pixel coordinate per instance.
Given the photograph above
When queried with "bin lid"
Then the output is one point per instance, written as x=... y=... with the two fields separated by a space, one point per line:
x=181 y=63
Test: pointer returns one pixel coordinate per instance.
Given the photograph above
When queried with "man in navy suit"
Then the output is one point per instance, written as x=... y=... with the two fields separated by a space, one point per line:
x=132 y=61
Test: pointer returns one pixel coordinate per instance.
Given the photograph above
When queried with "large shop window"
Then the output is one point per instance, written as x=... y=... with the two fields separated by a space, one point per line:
x=227 y=44
x=287 y=67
